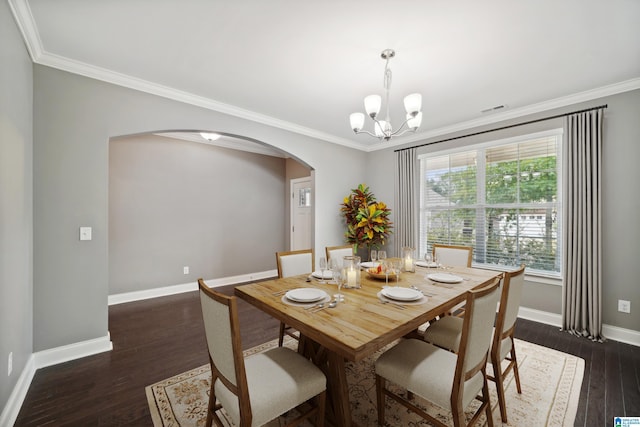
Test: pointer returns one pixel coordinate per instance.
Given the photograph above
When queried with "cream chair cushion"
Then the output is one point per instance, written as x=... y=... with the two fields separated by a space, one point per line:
x=296 y=380
x=426 y=370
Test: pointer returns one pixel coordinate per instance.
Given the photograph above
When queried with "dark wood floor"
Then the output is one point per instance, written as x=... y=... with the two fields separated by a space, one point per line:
x=158 y=338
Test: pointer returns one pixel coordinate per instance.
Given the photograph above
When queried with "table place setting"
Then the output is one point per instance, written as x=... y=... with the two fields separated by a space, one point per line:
x=305 y=297
x=402 y=296
x=322 y=275
x=426 y=264
x=444 y=278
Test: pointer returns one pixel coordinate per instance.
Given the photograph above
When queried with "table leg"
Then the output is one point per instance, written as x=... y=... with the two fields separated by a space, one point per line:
x=333 y=366
x=337 y=378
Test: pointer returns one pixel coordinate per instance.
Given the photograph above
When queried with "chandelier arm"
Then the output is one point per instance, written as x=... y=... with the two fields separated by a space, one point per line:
x=368 y=133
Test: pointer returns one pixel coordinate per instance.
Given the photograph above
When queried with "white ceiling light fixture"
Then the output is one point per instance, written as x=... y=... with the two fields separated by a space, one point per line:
x=209 y=136
x=373 y=103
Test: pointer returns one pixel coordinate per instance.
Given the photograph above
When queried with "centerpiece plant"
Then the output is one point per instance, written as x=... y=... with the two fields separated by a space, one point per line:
x=367 y=219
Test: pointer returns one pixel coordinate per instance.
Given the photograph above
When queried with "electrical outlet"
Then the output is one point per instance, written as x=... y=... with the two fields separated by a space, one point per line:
x=10 y=364
x=624 y=306
x=185 y=269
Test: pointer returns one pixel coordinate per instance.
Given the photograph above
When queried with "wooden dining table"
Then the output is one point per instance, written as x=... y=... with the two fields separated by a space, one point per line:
x=363 y=323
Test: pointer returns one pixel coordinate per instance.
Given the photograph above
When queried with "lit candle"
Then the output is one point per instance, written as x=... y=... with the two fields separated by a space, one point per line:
x=408 y=264
x=351 y=278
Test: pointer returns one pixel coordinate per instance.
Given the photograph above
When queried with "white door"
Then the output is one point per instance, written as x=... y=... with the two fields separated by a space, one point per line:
x=300 y=213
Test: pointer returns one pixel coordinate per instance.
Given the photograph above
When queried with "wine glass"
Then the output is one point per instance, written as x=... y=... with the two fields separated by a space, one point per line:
x=382 y=255
x=337 y=275
x=334 y=265
x=386 y=267
x=397 y=267
x=323 y=267
x=428 y=258
x=374 y=256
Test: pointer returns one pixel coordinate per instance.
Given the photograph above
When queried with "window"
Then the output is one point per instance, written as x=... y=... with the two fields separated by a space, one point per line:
x=502 y=198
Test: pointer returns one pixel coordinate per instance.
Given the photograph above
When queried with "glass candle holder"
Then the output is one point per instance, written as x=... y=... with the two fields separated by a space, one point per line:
x=351 y=272
x=408 y=260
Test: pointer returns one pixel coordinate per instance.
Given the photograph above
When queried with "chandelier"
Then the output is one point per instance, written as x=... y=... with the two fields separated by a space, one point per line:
x=372 y=103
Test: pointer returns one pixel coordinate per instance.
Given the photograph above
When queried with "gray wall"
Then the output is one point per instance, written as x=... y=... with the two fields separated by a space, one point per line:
x=74 y=119
x=621 y=199
x=16 y=203
x=176 y=203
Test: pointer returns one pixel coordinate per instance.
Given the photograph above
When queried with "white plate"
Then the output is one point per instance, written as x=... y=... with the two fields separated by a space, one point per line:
x=427 y=264
x=445 y=278
x=328 y=274
x=306 y=294
x=402 y=294
x=368 y=264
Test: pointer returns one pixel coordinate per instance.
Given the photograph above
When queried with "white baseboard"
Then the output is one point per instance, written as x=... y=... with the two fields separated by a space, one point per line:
x=187 y=287
x=42 y=359
x=615 y=333
x=65 y=353
x=13 y=405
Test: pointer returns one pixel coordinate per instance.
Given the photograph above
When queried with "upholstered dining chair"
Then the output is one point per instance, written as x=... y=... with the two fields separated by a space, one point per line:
x=449 y=380
x=338 y=252
x=453 y=256
x=260 y=387
x=446 y=333
x=293 y=263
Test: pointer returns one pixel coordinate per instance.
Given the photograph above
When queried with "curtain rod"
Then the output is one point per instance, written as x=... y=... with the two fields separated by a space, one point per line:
x=504 y=127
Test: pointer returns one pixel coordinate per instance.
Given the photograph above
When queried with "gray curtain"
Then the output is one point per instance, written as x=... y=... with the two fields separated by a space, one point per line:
x=406 y=197
x=582 y=234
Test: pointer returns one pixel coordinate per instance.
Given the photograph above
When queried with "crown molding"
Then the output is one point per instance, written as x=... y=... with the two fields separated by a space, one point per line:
x=589 y=95
x=26 y=24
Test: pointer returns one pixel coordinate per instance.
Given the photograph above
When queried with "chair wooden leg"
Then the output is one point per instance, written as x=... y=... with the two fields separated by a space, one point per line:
x=211 y=407
x=516 y=374
x=457 y=415
x=380 y=385
x=281 y=335
x=499 y=380
x=321 y=402
x=485 y=393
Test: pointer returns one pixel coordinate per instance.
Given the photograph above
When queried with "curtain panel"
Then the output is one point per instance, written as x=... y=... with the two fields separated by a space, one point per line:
x=406 y=197
x=582 y=233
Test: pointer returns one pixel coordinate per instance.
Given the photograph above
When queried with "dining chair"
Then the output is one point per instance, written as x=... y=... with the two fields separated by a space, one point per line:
x=293 y=263
x=446 y=333
x=453 y=256
x=338 y=252
x=261 y=387
x=449 y=380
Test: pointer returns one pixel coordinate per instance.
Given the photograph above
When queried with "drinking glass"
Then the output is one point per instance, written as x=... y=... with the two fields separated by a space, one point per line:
x=397 y=268
x=334 y=265
x=428 y=258
x=374 y=256
x=323 y=267
x=339 y=278
x=386 y=266
x=382 y=255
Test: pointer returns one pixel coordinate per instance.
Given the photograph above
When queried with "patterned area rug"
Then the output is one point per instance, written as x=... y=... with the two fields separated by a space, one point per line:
x=550 y=379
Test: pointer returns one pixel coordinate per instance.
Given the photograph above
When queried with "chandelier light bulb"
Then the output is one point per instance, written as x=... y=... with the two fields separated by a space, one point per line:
x=382 y=129
x=372 y=104
x=414 y=122
x=357 y=121
x=413 y=103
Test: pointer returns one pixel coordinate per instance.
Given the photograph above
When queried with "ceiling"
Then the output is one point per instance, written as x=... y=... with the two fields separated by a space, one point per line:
x=305 y=66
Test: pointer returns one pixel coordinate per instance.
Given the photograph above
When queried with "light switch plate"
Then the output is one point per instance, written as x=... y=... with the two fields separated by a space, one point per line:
x=85 y=233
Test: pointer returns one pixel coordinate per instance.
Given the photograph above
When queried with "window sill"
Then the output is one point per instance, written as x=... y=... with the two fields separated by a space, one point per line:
x=534 y=276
